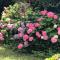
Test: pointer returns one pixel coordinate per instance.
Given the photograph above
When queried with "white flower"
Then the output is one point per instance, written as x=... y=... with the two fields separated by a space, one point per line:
x=56 y=36
x=59 y=59
x=42 y=37
x=55 y=26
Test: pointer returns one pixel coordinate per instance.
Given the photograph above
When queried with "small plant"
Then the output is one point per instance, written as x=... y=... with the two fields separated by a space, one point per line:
x=54 y=57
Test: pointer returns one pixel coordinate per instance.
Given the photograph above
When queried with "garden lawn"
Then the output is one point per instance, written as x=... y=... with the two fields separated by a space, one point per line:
x=7 y=54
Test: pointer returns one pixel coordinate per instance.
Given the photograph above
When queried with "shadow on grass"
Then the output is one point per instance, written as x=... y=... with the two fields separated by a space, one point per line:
x=7 y=54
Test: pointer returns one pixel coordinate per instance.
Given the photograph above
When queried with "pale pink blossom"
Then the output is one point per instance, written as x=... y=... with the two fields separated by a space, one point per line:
x=50 y=15
x=38 y=34
x=2 y=26
x=25 y=37
x=55 y=17
x=44 y=33
x=36 y=25
x=58 y=29
x=45 y=37
x=58 y=32
x=20 y=29
x=33 y=28
x=27 y=25
x=30 y=26
x=10 y=26
x=29 y=31
x=20 y=46
x=31 y=38
x=26 y=44
x=40 y=19
x=20 y=35
x=1 y=35
x=44 y=12
x=1 y=38
x=54 y=40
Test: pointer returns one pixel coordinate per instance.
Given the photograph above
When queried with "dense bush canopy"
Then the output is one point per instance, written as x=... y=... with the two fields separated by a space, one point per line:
x=30 y=25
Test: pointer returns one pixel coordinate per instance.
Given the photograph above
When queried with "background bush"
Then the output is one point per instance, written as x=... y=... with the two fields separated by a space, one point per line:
x=50 y=5
x=17 y=11
x=4 y=3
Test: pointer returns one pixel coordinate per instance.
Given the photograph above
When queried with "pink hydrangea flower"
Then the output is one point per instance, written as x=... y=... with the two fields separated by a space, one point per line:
x=45 y=37
x=44 y=33
x=38 y=34
x=31 y=38
x=20 y=35
x=58 y=29
x=25 y=37
x=44 y=12
x=20 y=46
x=2 y=26
x=58 y=32
x=55 y=17
x=40 y=19
x=1 y=38
x=1 y=35
x=54 y=40
x=29 y=31
x=10 y=26
x=37 y=25
x=26 y=44
x=30 y=26
x=50 y=15
x=20 y=29
x=33 y=28
x=27 y=25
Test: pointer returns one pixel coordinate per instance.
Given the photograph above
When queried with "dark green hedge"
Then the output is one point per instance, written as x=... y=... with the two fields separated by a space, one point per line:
x=50 y=5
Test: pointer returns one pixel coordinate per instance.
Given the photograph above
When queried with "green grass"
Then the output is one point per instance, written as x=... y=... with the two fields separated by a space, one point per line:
x=7 y=54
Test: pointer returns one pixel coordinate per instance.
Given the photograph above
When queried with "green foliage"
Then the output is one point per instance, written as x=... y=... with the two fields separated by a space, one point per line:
x=54 y=57
x=52 y=5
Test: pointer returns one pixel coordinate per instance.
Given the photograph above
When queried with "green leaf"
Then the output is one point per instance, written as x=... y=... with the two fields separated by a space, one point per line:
x=49 y=19
x=48 y=30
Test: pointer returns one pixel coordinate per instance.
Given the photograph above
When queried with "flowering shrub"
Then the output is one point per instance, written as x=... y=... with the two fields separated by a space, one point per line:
x=41 y=33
